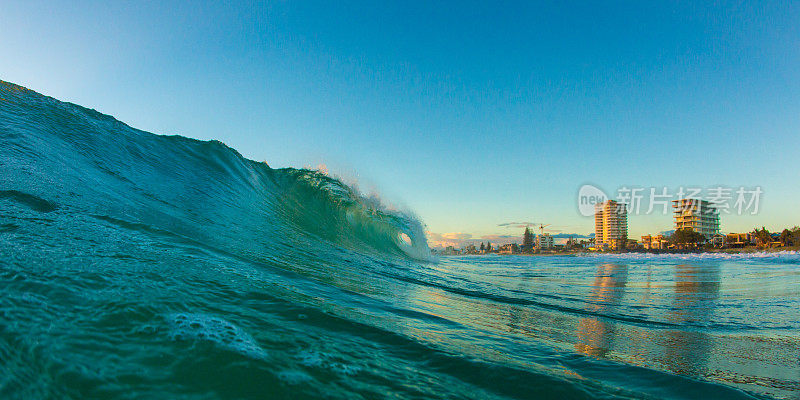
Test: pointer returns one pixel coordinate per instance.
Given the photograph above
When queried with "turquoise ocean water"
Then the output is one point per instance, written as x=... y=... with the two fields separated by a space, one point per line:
x=134 y=265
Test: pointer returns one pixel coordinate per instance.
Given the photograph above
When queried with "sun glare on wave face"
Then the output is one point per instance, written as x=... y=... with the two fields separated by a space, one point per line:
x=404 y=239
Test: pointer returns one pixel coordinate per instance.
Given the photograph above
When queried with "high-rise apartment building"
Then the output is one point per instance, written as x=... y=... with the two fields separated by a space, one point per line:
x=695 y=214
x=610 y=225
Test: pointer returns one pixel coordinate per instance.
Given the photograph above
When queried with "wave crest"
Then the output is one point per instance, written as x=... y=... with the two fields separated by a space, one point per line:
x=86 y=161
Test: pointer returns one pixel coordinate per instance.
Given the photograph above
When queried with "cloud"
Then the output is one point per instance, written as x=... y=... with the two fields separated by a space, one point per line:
x=519 y=224
x=456 y=236
x=461 y=239
x=498 y=238
x=535 y=226
x=455 y=239
x=555 y=231
x=573 y=235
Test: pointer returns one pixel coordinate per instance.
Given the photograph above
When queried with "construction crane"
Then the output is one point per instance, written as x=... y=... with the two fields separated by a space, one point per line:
x=541 y=228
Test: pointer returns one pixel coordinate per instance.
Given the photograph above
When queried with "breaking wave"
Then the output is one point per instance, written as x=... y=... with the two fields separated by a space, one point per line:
x=58 y=154
x=135 y=265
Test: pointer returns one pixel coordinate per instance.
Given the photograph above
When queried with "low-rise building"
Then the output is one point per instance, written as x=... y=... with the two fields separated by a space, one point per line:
x=658 y=242
x=718 y=240
x=739 y=239
x=506 y=249
x=544 y=241
x=571 y=243
x=451 y=251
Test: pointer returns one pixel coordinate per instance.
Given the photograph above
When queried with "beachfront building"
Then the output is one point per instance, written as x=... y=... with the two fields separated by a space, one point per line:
x=658 y=242
x=571 y=243
x=544 y=241
x=470 y=249
x=718 y=240
x=451 y=251
x=739 y=240
x=506 y=249
x=698 y=215
x=610 y=225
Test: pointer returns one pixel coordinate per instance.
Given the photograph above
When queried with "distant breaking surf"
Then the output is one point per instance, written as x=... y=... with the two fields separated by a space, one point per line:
x=786 y=255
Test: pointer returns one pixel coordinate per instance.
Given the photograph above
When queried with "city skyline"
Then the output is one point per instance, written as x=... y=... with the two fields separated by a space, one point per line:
x=611 y=224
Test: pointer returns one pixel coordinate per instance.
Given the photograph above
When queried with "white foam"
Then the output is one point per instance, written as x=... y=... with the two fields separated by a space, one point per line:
x=311 y=358
x=789 y=255
x=293 y=377
x=216 y=330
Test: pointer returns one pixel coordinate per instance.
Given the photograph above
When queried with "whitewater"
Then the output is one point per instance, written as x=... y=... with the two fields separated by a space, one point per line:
x=135 y=265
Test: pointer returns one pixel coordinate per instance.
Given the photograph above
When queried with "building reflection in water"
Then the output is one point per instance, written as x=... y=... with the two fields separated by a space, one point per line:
x=695 y=299
x=594 y=335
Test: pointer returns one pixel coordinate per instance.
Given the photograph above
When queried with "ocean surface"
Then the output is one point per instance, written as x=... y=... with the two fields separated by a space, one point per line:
x=135 y=265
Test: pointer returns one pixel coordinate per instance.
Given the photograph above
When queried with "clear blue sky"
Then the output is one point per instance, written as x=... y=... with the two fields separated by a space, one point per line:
x=469 y=114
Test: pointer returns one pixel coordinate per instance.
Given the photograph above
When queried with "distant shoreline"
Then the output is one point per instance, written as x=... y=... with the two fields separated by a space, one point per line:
x=743 y=250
